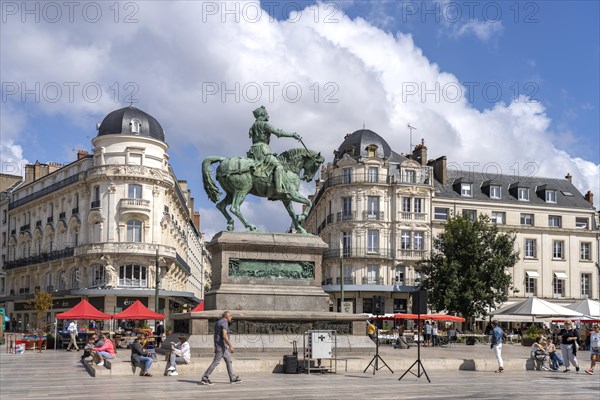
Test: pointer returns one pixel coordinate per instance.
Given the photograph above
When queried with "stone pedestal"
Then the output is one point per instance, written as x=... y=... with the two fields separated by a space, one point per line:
x=266 y=272
x=271 y=283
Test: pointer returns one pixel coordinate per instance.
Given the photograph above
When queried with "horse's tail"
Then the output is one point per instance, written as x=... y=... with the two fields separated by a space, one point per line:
x=210 y=187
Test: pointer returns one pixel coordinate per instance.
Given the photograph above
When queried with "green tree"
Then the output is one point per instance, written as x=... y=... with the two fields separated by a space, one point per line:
x=42 y=301
x=468 y=270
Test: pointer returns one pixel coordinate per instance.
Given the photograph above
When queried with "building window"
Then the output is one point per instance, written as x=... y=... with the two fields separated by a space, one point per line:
x=581 y=223
x=98 y=275
x=523 y=194
x=557 y=249
x=399 y=276
x=347 y=175
x=466 y=189
x=373 y=241
x=558 y=284
x=495 y=192
x=134 y=230
x=346 y=208
x=585 y=253
x=135 y=191
x=550 y=196
x=469 y=214
x=373 y=207
x=132 y=275
x=405 y=240
x=372 y=274
x=373 y=175
x=75 y=278
x=368 y=305
x=531 y=282
x=48 y=282
x=530 y=248
x=418 y=205
x=418 y=240
x=346 y=243
x=440 y=213
x=554 y=221
x=586 y=285
x=62 y=280
x=410 y=176
x=136 y=126
x=498 y=217
x=406 y=204
x=371 y=150
x=527 y=219
x=400 y=305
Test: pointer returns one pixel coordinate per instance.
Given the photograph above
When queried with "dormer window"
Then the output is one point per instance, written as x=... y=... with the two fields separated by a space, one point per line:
x=466 y=189
x=410 y=176
x=523 y=194
x=349 y=150
x=495 y=192
x=371 y=150
x=136 y=126
x=550 y=196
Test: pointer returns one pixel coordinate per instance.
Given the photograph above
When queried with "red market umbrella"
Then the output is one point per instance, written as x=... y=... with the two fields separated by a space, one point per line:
x=199 y=307
x=83 y=310
x=407 y=316
x=138 y=311
x=443 y=317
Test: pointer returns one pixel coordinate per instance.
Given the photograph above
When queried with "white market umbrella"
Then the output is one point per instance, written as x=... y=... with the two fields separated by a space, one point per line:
x=587 y=307
x=535 y=307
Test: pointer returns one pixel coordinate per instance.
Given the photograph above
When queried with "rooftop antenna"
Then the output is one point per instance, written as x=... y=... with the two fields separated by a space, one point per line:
x=363 y=125
x=410 y=128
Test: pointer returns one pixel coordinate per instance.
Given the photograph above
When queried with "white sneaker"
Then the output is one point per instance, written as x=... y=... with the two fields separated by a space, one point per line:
x=171 y=369
x=101 y=363
x=173 y=373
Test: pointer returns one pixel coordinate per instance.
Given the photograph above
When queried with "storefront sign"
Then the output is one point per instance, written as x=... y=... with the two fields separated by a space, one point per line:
x=125 y=302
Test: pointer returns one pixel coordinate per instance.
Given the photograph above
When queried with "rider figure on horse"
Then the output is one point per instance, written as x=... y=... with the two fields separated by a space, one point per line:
x=260 y=133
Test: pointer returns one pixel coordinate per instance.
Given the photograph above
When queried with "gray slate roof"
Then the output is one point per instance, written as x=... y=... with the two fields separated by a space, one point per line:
x=509 y=184
x=362 y=138
x=118 y=122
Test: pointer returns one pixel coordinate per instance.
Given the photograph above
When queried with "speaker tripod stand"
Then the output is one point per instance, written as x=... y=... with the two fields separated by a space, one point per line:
x=376 y=358
x=418 y=362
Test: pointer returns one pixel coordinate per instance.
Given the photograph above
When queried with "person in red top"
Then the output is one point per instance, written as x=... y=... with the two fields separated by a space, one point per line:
x=106 y=351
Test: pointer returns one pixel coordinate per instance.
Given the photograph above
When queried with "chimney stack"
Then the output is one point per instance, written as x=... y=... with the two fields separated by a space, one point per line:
x=440 y=171
x=569 y=177
x=420 y=153
x=81 y=154
x=589 y=196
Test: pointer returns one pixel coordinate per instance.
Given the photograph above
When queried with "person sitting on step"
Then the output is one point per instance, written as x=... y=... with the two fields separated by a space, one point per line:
x=180 y=353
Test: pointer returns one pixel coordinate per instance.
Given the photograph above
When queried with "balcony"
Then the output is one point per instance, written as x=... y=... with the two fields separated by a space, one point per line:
x=25 y=228
x=134 y=205
x=372 y=215
x=62 y=215
x=357 y=253
x=95 y=204
x=372 y=281
x=38 y=223
x=75 y=211
x=114 y=249
x=53 y=255
x=413 y=216
x=348 y=280
x=412 y=253
x=49 y=220
x=345 y=216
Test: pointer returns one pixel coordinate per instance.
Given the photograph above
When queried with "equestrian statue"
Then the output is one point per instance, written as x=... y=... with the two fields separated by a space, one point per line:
x=263 y=173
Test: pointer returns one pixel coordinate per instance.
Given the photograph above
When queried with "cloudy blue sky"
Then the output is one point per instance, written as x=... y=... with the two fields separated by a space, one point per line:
x=510 y=83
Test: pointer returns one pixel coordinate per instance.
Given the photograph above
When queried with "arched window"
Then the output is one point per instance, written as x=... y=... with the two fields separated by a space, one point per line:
x=62 y=280
x=133 y=275
x=98 y=275
x=136 y=126
x=134 y=230
x=75 y=278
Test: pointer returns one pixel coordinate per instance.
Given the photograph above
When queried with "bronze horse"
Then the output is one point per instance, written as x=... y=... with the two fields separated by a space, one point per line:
x=236 y=176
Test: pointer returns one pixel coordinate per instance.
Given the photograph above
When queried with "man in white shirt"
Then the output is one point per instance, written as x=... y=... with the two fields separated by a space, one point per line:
x=72 y=329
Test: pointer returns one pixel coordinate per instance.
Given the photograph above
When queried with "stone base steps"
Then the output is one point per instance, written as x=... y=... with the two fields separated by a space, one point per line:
x=261 y=364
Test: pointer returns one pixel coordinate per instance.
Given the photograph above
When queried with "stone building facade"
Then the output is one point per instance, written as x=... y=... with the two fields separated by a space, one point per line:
x=379 y=212
x=98 y=227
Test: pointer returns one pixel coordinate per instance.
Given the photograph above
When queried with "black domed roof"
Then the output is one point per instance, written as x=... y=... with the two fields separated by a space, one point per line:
x=356 y=144
x=131 y=121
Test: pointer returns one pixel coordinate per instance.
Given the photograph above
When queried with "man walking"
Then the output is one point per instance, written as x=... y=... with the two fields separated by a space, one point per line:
x=497 y=337
x=223 y=349
x=72 y=329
